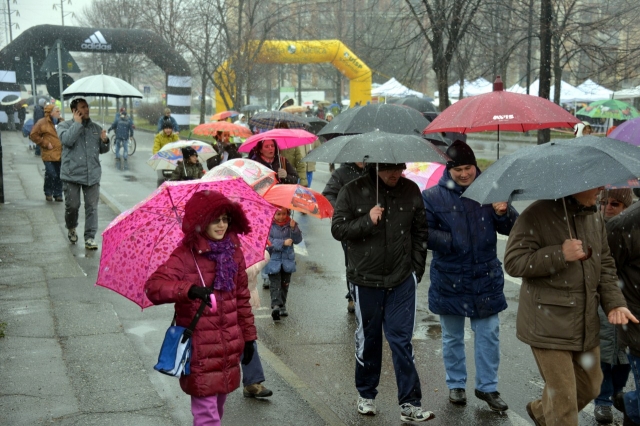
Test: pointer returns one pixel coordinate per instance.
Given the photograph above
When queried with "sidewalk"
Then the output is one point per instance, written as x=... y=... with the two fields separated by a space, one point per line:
x=77 y=354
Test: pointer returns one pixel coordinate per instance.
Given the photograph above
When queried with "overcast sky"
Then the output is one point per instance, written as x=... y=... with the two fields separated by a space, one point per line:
x=39 y=12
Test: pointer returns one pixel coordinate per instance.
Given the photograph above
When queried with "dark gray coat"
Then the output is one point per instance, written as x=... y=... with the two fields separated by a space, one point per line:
x=81 y=149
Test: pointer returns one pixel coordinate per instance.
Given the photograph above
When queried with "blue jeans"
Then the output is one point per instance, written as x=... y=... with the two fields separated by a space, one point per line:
x=125 y=148
x=632 y=399
x=252 y=372
x=613 y=381
x=52 y=182
x=486 y=351
x=394 y=310
x=309 y=177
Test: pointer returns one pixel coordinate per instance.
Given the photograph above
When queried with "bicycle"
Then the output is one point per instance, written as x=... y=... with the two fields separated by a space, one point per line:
x=132 y=143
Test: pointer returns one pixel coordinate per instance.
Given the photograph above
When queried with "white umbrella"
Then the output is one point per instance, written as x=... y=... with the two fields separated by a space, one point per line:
x=102 y=85
x=169 y=155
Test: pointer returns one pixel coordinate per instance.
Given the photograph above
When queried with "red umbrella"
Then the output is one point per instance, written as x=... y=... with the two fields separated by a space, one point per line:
x=210 y=129
x=501 y=110
x=285 y=138
x=299 y=198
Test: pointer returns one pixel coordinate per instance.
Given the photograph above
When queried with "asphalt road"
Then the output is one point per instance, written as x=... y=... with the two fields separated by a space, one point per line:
x=311 y=351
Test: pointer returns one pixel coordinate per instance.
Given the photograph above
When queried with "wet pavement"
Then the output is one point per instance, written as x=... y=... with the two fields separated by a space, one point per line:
x=104 y=347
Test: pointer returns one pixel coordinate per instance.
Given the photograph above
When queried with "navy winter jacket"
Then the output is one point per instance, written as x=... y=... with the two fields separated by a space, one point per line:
x=466 y=275
x=281 y=255
x=123 y=128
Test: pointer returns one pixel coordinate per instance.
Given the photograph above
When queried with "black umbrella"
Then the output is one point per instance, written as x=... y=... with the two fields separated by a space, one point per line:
x=377 y=147
x=383 y=117
x=423 y=105
x=274 y=119
x=556 y=169
x=30 y=100
x=251 y=108
x=10 y=100
x=315 y=124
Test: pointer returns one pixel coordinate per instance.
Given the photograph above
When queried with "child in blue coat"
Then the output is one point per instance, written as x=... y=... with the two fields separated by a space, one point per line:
x=283 y=235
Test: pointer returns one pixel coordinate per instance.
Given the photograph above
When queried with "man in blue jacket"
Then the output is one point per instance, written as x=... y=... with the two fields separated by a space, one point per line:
x=123 y=126
x=466 y=275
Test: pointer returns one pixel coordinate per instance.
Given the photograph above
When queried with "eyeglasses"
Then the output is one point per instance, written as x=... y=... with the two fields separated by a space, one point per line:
x=224 y=219
x=614 y=204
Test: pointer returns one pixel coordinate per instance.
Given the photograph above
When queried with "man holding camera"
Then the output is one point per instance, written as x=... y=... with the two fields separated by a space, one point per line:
x=82 y=143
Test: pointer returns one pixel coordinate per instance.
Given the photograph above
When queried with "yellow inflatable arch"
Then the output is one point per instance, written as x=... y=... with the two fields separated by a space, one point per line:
x=303 y=52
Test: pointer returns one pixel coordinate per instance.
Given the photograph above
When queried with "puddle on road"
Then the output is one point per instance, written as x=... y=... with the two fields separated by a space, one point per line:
x=130 y=178
x=431 y=331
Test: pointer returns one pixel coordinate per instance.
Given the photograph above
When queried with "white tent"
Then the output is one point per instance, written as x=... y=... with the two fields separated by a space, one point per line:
x=627 y=93
x=594 y=92
x=516 y=88
x=568 y=93
x=471 y=88
x=393 y=88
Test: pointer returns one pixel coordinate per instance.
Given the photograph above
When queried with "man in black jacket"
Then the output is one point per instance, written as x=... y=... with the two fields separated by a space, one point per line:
x=381 y=217
x=344 y=174
x=624 y=241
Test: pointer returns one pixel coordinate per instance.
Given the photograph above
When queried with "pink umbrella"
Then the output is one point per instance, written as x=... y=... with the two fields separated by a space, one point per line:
x=142 y=238
x=285 y=138
x=425 y=175
x=259 y=177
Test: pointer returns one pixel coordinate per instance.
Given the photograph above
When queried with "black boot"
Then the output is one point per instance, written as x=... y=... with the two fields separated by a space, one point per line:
x=493 y=399
x=458 y=396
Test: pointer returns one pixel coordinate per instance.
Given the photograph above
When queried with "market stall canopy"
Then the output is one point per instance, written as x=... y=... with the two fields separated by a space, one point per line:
x=568 y=93
x=471 y=88
x=393 y=88
x=516 y=88
x=631 y=93
x=594 y=91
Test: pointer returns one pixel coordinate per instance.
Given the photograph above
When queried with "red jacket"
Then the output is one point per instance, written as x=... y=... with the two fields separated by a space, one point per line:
x=218 y=339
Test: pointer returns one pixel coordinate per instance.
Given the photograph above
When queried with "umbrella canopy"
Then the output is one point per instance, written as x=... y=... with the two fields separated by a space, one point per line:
x=301 y=199
x=377 y=147
x=388 y=118
x=629 y=132
x=420 y=104
x=295 y=108
x=425 y=175
x=36 y=99
x=315 y=124
x=139 y=240
x=251 y=108
x=169 y=155
x=223 y=115
x=556 y=169
x=285 y=139
x=272 y=119
x=10 y=100
x=609 y=108
x=210 y=129
x=257 y=176
x=101 y=85
x=501 y=111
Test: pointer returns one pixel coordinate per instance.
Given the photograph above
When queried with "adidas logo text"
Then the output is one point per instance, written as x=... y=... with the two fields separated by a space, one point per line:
x=96 y=42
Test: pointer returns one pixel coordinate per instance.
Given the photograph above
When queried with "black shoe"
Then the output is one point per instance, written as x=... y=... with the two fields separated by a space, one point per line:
x=265 y=285
x=603 y=414
x=618 y=402
x=493 y=399
x=275 y=313
x=530 y=413
x=458 y=396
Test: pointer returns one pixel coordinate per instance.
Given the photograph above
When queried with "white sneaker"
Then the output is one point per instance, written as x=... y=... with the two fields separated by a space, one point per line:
x=366 y=406
x=411 y=413
x=73 y=237
x=90 y=244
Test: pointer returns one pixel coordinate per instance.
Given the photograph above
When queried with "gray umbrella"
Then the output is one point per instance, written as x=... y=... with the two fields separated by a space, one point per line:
x=390 y=118
x=556 y=169
x=377 y=147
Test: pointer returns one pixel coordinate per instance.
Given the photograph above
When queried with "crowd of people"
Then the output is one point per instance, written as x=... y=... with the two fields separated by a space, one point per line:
x=571 y=305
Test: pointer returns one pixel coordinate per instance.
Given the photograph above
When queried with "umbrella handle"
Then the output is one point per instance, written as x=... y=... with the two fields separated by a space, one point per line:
x=566 y=215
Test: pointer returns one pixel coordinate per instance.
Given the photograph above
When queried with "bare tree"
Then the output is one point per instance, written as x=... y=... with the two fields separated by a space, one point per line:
x=443 y=24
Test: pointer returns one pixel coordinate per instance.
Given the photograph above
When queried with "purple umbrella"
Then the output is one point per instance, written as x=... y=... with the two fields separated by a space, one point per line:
x=629 y=132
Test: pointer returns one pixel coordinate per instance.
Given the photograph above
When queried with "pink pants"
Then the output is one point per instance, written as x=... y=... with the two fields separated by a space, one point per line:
x=207 y=410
